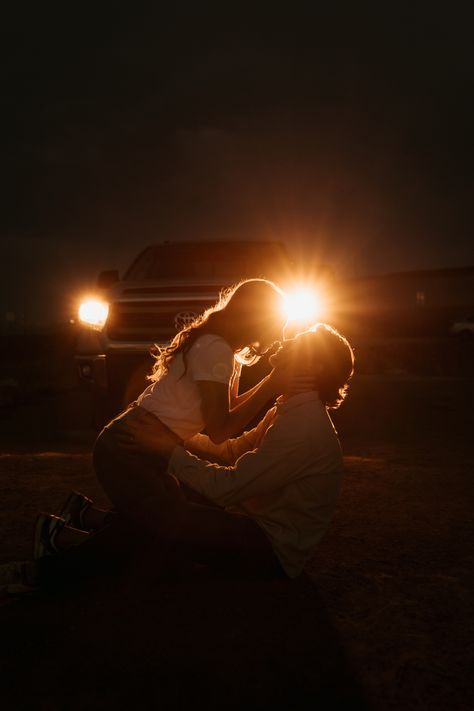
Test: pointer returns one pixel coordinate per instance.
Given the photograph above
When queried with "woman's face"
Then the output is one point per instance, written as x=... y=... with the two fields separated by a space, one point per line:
x=296 y=354
x=266 y=335
x=263 y=325
x=284 y=355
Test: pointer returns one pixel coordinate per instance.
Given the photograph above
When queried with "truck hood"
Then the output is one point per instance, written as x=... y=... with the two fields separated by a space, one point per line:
x=166 y=289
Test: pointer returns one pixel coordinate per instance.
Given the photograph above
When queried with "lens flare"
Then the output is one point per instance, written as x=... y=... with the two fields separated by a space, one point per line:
x=304 y=305
x=94 y=312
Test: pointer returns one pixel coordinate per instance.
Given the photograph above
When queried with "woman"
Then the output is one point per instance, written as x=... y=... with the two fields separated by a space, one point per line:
x=195 y=380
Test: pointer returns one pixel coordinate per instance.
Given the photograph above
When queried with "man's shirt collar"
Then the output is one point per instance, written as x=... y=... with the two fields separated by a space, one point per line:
x=285 y=403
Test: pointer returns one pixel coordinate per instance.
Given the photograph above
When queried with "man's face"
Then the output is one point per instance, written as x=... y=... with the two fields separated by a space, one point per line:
x=297 y=355
x=285 y=356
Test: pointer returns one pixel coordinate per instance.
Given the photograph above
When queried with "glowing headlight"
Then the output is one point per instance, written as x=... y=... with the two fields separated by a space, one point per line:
x=94 y=313
x=304 y=305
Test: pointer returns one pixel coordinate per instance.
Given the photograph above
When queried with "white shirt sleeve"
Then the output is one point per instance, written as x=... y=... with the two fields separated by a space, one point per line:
x=211 y=358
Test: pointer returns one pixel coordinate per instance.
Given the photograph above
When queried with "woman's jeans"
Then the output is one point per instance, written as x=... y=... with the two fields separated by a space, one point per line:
x=157 y=517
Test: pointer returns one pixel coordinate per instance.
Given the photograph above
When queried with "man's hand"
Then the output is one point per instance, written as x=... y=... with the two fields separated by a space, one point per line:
x=144 y=433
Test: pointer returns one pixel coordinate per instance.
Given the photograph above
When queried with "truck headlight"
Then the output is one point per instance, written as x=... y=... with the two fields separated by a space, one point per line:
x=94 y=312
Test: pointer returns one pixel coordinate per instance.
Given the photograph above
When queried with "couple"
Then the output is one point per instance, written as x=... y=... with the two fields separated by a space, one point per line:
x=253 y=505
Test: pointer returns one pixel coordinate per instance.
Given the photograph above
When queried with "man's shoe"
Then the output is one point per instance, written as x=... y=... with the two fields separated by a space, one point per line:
x=47 y=528
x=18 y=577
x=74 y=508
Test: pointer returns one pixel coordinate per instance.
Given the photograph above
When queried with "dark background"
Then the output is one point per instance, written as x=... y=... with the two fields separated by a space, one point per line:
x=342 y=130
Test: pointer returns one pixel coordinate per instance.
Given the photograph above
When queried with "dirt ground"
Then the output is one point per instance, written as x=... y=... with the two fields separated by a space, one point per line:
x=381 y=619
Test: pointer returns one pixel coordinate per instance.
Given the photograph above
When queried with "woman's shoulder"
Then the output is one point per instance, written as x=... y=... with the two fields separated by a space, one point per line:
x=210 y=348
x=211 y=339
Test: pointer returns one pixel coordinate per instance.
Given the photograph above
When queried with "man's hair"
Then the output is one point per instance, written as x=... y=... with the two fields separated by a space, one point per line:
x=334 y=358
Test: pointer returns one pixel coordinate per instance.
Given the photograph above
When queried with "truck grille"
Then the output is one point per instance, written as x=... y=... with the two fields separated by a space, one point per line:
x=153 y=321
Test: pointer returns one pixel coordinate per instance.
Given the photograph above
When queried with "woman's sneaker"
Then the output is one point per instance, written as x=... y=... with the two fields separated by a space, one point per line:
x=47 y=528
x=74 y=509
x=18 y=577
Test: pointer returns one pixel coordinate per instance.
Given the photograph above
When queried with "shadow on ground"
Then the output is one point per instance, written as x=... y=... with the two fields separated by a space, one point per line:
x=116 y=644
x=388 y=588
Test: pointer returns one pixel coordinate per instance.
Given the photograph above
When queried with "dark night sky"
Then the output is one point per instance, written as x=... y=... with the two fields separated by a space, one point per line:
x=344 y=130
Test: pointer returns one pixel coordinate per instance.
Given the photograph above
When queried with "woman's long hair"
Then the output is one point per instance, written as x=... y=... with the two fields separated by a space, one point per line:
x=244 y=309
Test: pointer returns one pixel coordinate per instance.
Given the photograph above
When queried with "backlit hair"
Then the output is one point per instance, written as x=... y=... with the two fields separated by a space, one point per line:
x=333 y=355
x=249 y=305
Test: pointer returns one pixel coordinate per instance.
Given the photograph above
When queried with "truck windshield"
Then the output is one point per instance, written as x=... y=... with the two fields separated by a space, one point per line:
x=226 y=261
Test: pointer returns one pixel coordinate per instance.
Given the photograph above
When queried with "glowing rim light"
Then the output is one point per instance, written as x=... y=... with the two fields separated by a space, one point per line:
x=94 y=312
x=304 y=305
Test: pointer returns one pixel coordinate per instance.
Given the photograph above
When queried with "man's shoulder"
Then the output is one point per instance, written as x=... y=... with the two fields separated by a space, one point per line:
x=303 y=419
x=299 y=405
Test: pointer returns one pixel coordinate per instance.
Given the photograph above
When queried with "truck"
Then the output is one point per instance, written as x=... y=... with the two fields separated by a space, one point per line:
x=169 y=283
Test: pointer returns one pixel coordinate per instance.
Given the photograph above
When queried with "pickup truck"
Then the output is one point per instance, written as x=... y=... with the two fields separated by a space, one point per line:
x=165 y=288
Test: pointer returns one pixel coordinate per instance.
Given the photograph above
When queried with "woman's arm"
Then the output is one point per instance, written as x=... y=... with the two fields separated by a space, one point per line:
x=226 y=416
x=234 y=384
x=239 y=399
x=221 y=419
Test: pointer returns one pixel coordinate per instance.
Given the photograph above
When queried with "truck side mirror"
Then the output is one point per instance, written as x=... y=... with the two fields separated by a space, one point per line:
x=107 y=278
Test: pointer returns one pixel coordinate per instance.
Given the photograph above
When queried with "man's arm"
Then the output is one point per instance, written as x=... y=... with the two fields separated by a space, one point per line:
x=145 y=433
x=229 y=451
x=273 y=464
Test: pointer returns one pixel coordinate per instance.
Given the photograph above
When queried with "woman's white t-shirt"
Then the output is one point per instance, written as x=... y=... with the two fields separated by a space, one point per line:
x=175 y=398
